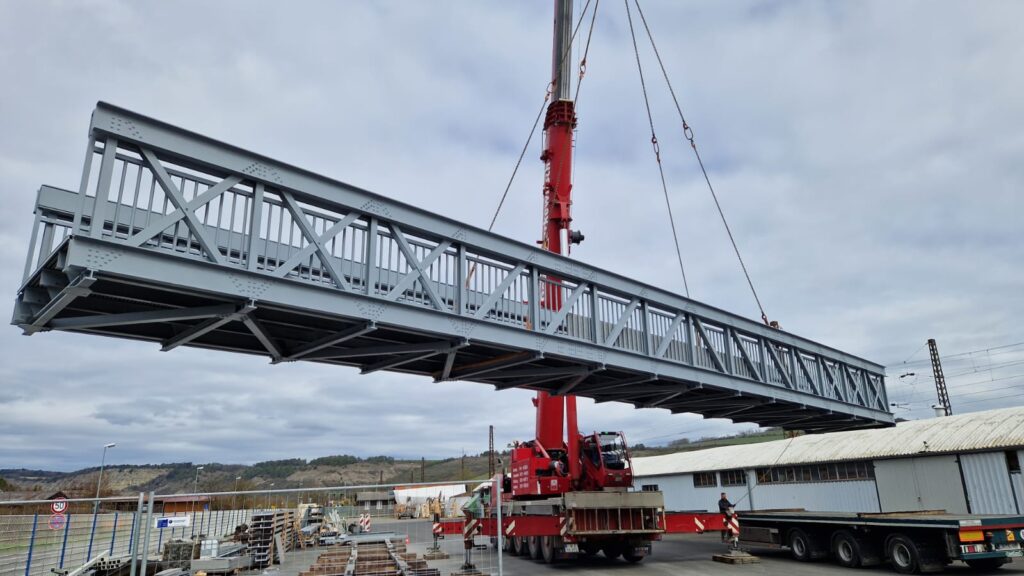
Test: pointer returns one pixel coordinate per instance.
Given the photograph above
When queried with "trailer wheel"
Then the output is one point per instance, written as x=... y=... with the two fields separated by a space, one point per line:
x=547 y=549
x=846 y=549
x=984 y=564
x=632 y=558
x=612 y=551
x=903 y=554
x=533 y=544
x=800 y=545
x=519 y=546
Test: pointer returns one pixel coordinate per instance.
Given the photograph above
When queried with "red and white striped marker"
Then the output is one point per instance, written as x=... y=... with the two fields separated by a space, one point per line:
x=510 y=528
x=700 y=525
x=564 y=525
x=733 y=525
x=471 y=528
x=438 y=529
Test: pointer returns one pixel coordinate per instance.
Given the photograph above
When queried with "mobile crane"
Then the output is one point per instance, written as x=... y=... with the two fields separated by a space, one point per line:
x=567 y=493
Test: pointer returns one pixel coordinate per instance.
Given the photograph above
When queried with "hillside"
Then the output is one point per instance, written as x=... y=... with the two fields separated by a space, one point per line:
x=338 y=470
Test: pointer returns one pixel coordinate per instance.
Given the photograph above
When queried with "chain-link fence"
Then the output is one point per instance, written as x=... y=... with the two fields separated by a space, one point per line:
x=374 y=527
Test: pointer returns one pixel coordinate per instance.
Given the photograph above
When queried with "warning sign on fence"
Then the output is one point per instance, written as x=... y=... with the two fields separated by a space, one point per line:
x=173 y=522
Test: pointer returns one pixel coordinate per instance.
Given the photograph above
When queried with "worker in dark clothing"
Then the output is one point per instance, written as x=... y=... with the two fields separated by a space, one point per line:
x=723 y=508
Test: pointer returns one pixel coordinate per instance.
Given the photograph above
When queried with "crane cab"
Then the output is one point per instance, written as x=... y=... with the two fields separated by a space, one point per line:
x=606 y=461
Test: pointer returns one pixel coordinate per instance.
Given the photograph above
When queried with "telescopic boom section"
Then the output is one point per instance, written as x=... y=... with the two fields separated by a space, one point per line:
x=553 y=411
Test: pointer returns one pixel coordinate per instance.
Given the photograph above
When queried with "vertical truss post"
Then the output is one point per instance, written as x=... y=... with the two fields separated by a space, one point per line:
x=255 y=225
x=460 y=278
x=534 y=294
x=32 y=248
x=691 y=339
x=83 y=185
x=99 y=207
x=645 y=315
x=371 y=257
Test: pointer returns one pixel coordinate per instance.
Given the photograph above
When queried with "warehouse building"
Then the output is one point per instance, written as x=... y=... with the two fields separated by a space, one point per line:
x=969 y=463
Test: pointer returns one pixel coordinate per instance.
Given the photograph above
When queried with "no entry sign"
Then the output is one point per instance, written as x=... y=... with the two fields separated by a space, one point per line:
x=59 y=505
x=57 y=521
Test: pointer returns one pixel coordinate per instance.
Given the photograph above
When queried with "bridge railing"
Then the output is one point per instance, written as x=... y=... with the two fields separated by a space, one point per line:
x=150 y=185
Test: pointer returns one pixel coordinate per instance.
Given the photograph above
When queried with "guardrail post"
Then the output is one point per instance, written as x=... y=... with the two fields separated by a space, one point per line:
x=31 y=543
x=64 y=544
x=113 y=534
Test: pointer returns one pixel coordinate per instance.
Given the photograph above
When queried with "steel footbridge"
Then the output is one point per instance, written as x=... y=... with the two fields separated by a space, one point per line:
x=178 y=239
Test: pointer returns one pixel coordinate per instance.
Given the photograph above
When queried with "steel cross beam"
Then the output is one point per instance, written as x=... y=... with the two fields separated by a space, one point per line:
x=309 y=264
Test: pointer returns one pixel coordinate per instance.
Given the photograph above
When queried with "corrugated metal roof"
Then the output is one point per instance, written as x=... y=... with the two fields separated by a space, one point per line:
x=991 y=429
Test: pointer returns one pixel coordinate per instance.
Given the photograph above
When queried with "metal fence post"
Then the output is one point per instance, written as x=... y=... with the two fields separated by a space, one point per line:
x=500 y=530
x=31 y=543
x=133 y=546
x=92 y=534
x=64 y=545
x=113 y=534
x=149 y=528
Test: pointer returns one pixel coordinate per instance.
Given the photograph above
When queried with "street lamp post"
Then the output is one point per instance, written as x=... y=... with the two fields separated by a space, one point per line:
x=234 y=496
x=99 y=481
x=195 y=496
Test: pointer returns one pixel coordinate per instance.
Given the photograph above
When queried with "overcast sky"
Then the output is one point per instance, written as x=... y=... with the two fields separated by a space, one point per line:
x=869 y=156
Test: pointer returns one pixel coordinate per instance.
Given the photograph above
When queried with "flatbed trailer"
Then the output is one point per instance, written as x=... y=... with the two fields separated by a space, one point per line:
x=614 y=523
x=912 y=542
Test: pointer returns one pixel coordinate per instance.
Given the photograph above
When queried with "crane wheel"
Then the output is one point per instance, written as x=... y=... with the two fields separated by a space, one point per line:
x=533 y=544
x=547 y=549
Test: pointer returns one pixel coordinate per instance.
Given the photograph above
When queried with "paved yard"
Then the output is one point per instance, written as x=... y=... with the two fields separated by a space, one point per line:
x=676 y=554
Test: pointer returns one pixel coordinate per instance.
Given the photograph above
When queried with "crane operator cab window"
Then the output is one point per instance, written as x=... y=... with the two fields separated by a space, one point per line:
x=613 y=451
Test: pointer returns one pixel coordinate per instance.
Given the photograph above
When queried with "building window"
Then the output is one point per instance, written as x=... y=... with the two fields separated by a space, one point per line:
x=838 y=471
x=380 y=504
x=1012 y=461
x=704 y=479
x=734 y=478
x=649 y=488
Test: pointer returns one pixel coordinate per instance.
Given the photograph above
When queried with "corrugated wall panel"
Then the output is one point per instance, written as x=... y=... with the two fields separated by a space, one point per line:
x=988 y=483
x=855 y=496
x=680 y=495
x=1017 y=481
x=929 y=483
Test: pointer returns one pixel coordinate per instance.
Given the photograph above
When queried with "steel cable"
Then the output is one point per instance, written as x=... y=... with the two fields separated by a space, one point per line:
x=688 y=134
x=536 y=121
x=657 y=150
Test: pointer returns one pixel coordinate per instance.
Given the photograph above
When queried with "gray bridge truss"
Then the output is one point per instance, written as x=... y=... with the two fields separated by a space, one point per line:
x=182 y=240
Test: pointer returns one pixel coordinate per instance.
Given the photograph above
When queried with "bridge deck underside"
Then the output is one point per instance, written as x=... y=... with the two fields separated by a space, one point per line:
x=158 y=310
